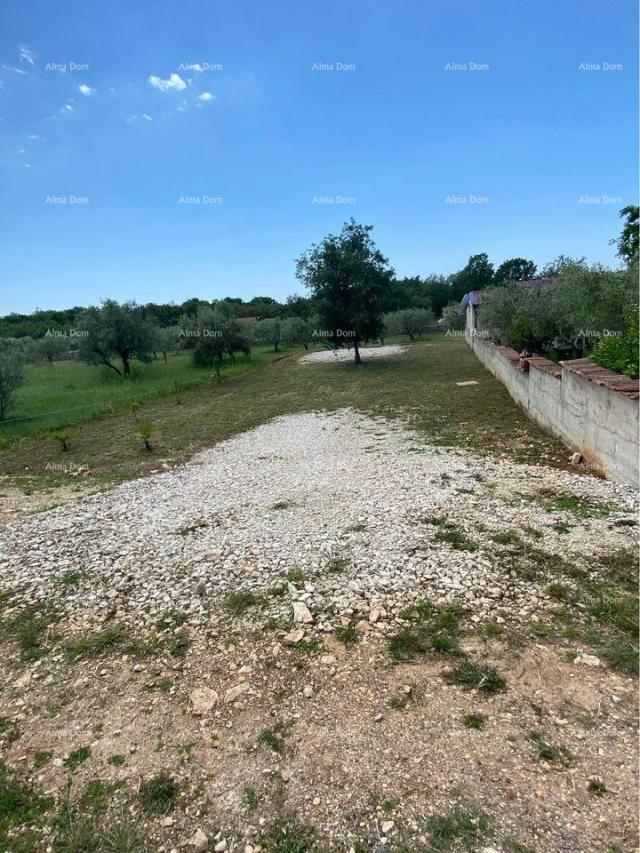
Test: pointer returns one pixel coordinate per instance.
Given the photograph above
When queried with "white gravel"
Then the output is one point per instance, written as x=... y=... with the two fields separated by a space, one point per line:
x=347 y=486
x=347 y=354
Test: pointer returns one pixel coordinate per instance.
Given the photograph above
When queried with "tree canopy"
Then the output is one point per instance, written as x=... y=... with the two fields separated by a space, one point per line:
x=349 y=279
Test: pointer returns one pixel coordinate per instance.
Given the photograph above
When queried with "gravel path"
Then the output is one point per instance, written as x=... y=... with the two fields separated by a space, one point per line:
x=347 y=354
x=351 y=507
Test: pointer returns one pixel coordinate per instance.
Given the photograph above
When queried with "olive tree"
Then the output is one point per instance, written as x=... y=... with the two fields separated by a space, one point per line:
x=48 y=347
x=350 y=281
x=115 y=331
x=269 y=331
x=11 y=373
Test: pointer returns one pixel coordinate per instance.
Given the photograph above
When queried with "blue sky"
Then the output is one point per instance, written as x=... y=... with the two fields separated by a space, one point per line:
x=396 y=138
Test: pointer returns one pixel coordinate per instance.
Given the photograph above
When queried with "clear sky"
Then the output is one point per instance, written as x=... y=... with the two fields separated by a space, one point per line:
x=162 y=102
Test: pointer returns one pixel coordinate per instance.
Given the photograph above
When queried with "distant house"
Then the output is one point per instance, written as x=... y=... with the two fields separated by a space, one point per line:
x=471 y=301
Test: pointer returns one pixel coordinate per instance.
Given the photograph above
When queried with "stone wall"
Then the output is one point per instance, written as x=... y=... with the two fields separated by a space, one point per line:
x=593 y=410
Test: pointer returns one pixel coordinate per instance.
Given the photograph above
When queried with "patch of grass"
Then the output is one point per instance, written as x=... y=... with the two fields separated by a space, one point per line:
x=116 y=760
x=297 y=575
x=95 y=795
x=9 y=730
x=77 y=757
x=397 y=704
x=474 y=721
x=251 y=798
x=579 y=507
x=158 y=794
x=432 y=631
x=356 y=528
x=277 y=591
x=71 y=578
x=471 y=676
x=507 y=537
x=288 y=837
x=93 y=645
x=162 y=685
x=21 y=805
x=546 y=751
x=493 y=629
x=31 y=629
x=40 y=759
x=459 y=827
x=179 y=644
x=337 y=565
x=274 y=738
x=453 y=536
x=281 y=505
x=172 y=618
x=560 y=592
x=347 y=635
x=240 y=601
x=597 y=788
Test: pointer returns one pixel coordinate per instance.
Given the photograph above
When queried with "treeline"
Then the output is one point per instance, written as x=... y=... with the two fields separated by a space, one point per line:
x=432 y=293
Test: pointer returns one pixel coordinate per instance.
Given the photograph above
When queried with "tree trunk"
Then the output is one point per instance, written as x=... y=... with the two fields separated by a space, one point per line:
x=357 y=351
x=125 y=365
x=306 y=346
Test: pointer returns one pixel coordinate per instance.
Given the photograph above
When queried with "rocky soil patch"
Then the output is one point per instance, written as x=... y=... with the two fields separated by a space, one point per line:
x=322 y=634
x=355 y=517
x=347 y=354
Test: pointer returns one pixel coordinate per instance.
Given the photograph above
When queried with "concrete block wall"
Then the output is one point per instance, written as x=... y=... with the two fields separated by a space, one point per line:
x=593 y=410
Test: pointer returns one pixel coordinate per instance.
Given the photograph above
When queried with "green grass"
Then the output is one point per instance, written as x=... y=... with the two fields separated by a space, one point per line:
x=457 y=830
x=420 y=384
x=158 y=794
x=573 y=505
x=92 y=645
x=472 y=676
x=274 y=738
x=347 y=635
x=9 y=730
x=431 y=630
x=77 y=757
x=21 y=806
x=474 y=721
x=31 y=629
x=239 y=602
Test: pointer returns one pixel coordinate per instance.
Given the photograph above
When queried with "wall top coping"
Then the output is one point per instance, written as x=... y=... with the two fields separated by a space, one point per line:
x=602 y=376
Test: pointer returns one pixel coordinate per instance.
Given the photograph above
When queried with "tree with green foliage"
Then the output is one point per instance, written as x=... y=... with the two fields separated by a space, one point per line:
x=620 y=352
x=269 y=331
x=453 y=318
x=298 y=330
x=350 y=280
x=514 y=269
x=628 y=240
x=166 y=340
x=11 y=373
x=48 y=347
x=115 y=331
x=413 y=322
x=475 y=275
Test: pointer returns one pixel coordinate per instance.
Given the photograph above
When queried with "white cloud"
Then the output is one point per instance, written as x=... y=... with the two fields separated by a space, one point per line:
x=131 y=117
x=27 y=165
x=206 y=96
x=68 y=108
x=174 y=83
x=25 y=55
x=13 y=68
x=86 y=90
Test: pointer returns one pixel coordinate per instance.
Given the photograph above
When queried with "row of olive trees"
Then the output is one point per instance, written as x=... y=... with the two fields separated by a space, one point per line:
x=579 y=313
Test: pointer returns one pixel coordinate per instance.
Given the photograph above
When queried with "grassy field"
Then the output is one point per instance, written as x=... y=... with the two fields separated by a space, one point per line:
x=419 y=386
x=67 y=393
